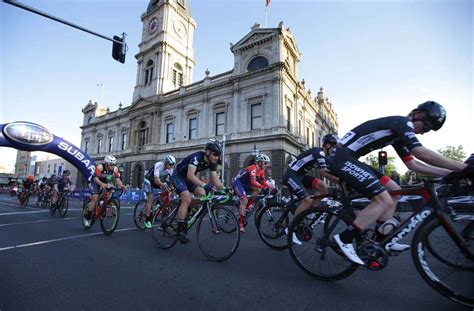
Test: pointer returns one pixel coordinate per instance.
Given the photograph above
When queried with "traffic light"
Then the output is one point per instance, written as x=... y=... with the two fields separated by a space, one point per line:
x=383 y=158
x=119 y=49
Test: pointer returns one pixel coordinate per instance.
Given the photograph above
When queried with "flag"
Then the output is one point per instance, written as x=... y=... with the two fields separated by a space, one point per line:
x=267 y=3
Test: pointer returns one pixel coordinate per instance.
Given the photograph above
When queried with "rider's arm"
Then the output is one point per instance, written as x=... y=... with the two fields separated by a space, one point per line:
x=215 y=180
x=97 y=181
x=191 y=176
x=325 y=173
x=438 y=164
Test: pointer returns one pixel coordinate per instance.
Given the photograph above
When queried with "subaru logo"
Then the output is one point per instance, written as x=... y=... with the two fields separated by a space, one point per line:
x=28 y=133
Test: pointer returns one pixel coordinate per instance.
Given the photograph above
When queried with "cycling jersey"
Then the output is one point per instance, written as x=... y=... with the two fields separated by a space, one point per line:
x=64 y=183
x=106 y=176
x=376 y=134
x=28 y=184
x=158 y=170
x=306 y=160
x=179 y=176
x=248 y=177
x=51 y=182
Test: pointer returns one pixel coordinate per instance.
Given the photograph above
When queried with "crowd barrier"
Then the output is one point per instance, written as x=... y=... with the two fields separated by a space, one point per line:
x=128 y=196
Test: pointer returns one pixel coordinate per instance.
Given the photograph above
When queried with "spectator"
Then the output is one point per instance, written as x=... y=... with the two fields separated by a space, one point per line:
x=414 y=179
x=395 y=177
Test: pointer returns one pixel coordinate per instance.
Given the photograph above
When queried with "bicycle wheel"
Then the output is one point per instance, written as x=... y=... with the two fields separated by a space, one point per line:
x=217 y=235
x=319 y=256
x=165 y=226
x=439 y=260
x=271 y=223
x=52 y=208
x=110 y=217
x=63 y=206
x=27 y=199
x=139 y=215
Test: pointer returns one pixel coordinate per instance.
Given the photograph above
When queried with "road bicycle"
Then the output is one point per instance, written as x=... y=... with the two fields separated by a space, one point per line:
x=260 y=201
x=24 y=197
x=442 y=246
x=42 y=199
x=107 y=211
x=139 y=215
x=217 y=231
x=62 y=204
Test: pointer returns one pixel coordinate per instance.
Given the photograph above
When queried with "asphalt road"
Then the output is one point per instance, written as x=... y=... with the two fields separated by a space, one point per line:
x=51 y=263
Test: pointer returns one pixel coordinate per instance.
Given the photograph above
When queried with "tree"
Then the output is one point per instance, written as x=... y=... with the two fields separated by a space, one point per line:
x=455 y=153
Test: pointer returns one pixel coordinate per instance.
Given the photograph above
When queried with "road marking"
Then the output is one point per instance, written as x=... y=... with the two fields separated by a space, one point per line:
x=18 y=213
x=61 y=239
x=46 y=220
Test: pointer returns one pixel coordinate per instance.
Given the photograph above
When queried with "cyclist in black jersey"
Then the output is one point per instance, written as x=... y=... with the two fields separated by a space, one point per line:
x=400 y=132
x=185 y=180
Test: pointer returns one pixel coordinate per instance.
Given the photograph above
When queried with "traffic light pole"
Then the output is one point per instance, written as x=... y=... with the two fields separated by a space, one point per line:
x=60 y=20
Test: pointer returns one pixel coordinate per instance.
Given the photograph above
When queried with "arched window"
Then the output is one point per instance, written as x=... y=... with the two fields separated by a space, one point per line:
x=142 y=134
x=177 y=77
x=257 y=63
x=149 y=71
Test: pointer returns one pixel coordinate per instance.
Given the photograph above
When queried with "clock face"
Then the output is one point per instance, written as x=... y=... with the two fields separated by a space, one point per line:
x=153 y=25
x=179 y=28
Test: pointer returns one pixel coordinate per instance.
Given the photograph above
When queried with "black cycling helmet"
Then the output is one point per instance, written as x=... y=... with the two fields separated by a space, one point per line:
x=330 y=139
x=214 y=146
x=44 y=178
x=435 y=113
x=66 y=173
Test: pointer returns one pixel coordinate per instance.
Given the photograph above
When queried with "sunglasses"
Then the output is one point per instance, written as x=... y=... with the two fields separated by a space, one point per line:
x=427 y=126
x=215 y=154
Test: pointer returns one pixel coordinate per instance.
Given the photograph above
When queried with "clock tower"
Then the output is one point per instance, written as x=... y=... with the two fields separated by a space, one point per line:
x=166 y=56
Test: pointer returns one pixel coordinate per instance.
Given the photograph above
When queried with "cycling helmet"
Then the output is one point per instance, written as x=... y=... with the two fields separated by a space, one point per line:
x=44 y=178
x=66 y=173
x=30 y=178
x=110 y=159
x=214 y=147
x=330 y=139
x=435 y=112
x=169 y=159
x=262 y=157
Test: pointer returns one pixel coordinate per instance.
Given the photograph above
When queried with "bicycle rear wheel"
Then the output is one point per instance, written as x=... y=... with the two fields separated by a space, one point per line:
x=440 y=261
x=63 y=206
x=110 y=217
x=139 y=215
x=271 y=223
x=217 y=235
x=165 y=226
x=319 y=256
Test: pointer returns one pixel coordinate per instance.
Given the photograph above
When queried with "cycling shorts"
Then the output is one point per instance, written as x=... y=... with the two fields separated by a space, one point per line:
x=299 y=183
x=360 y=176
x=94 y=188
x=240 y=189
x=182 y=184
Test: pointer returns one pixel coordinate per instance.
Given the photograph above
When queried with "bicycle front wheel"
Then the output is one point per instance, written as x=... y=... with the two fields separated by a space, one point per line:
x=165 y=226
x=318 y=254
x=271 y=223
x=139 y=215
x=110 y=217
x=218 y=235
x=63 y=207
x=441 y=262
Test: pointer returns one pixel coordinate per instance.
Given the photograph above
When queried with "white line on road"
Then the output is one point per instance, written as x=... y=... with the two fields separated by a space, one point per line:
x=17 y=213
x=61 y=239
x=46 y=220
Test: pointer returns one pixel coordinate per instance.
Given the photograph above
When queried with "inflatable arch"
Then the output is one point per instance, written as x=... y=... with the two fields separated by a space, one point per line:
x=27 y=136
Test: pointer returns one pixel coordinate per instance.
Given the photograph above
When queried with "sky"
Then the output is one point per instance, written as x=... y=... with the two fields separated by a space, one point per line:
x=373 y=58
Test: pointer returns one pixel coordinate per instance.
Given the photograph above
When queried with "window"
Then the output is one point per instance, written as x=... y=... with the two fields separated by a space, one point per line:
x=257 y=63
x=192 y=128
x=220 y=123
x=177 y=77
x=288 y=122
x=111 y=143
x=99 y=145
x=54 y=169
x=299 y=128
x=149 y=72
x=86 y=147
x=256 y=116
x=143 y=134
x=124 y=141
x=169 y=132
x=307 y=136
x=49 y=168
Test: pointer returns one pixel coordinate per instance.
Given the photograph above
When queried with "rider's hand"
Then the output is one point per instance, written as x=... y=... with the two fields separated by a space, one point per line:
x=266 y=191
x=208 y=188
x=468 y=172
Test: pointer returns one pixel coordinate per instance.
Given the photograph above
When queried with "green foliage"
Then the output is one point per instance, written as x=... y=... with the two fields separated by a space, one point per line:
x=455 y=153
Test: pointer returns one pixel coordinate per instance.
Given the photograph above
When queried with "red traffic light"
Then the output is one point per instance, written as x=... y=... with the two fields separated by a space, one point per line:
x=383 y=159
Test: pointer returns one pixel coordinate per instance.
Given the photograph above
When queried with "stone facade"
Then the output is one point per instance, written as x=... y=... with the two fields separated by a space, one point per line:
x=258 y=104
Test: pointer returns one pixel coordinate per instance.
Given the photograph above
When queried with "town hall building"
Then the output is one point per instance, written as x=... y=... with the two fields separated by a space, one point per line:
x=257 y=105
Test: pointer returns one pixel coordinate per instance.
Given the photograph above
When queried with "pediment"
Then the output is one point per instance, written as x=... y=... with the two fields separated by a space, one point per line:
x=140 y=103
x=291 y=43
x=89 y=107
x=255 y=37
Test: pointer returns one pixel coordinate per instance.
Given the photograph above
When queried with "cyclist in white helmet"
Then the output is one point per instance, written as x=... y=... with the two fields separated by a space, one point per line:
x=103 y=175
x=156 y=178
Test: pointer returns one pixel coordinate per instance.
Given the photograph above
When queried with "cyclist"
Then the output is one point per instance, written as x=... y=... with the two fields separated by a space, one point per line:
x=185 y=180
x=63 y=182
x=247 y=181
x=51 y=184
x=156 y=178
x=104 y=175
x=400 y=132
x=27 y=185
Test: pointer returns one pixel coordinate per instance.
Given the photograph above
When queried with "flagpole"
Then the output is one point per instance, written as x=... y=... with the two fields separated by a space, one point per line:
x=266 y=16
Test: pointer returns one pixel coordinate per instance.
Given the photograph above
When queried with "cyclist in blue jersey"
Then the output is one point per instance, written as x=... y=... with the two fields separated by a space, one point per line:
x=186 y=182
x=61 y=182
x=400 y=132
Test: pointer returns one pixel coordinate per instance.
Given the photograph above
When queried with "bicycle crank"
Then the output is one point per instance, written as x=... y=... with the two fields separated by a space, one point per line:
x=373 y=255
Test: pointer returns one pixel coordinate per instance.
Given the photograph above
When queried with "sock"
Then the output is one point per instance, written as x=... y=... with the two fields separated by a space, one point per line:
x=348 y=235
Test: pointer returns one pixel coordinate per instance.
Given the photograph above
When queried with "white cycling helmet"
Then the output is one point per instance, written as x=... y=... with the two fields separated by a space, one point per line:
x=170 y=160
x=262 y=157
x=110 y=159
